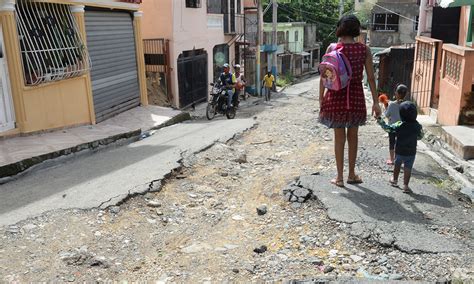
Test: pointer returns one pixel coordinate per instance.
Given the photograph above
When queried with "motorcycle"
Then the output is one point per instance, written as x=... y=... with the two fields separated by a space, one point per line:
x=218 y=102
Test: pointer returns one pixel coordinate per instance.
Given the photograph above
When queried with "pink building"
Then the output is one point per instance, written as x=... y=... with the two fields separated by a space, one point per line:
x=202 y=36
x=442 y=82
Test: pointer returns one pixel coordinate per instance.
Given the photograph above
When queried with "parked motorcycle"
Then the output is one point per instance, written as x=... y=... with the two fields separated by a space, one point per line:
x=218 y=102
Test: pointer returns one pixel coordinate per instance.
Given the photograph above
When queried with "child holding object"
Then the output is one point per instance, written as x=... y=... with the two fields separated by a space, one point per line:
x=407 y=131
x=392 y=112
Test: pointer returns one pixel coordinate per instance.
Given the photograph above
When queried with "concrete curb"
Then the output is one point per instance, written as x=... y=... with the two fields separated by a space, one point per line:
x=9 y=172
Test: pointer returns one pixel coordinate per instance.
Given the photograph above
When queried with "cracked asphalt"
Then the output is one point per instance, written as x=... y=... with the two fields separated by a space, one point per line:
x=200 y=222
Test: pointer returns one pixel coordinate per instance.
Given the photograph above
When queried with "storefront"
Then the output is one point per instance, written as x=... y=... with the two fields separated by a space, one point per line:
x=67 y=64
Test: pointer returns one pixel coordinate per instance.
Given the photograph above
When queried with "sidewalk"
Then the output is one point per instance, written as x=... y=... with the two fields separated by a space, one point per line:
x=19 y=154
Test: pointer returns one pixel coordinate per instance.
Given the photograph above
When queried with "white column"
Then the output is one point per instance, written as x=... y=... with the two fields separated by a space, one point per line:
x=422 y=18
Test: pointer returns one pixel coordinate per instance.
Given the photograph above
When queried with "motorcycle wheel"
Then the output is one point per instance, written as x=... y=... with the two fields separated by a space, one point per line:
x=230 y=113
x=210 y=111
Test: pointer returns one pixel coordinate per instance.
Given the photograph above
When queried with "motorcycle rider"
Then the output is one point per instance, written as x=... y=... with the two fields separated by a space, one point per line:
x=229 y=81
x=240 y=86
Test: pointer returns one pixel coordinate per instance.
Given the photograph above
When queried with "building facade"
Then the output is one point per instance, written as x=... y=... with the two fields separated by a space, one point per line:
x=394 y=22
x=67 y=63
x=442 y=82
x=202 y=36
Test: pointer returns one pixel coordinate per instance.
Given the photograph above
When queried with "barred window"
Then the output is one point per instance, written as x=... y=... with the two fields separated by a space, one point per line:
x=51 y=47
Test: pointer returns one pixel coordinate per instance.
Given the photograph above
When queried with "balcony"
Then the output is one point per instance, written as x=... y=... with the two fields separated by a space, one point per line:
x=233 y=24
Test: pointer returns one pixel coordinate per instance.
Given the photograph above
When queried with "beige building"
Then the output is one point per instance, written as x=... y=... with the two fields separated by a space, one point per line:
x=67 y=63
x=202 y=36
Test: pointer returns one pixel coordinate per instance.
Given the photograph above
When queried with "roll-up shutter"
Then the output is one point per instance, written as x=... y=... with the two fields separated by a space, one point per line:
x=114 y=75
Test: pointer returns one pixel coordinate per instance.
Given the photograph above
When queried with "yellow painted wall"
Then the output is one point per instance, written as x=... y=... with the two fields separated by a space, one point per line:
x=55 y=105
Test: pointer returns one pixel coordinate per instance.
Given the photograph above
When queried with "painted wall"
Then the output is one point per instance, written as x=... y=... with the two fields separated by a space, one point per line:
x=454 y=93
x=157 y=19
x=406 y=32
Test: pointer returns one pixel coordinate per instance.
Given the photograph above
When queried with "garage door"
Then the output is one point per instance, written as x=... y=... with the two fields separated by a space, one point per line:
x=111 y=45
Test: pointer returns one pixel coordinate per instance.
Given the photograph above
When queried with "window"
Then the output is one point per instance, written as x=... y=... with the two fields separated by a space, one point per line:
x=385 y=22
x=280 y=37
x=193 y=3
x=296 y=36
x=415 y=24
x=470 y=30
x=50 y=44
x=214 y=6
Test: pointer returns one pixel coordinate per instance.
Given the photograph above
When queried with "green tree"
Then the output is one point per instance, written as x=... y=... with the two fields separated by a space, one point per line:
x=325 y=13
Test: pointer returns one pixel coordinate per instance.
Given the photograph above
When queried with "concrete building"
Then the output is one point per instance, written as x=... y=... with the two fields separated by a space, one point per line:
x=68 y=63
x=289 y=47
x=202 y=36
x=394 y=22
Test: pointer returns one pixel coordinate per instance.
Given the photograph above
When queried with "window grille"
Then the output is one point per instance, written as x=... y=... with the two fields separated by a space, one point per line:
x=385 y=22
x=51 y=47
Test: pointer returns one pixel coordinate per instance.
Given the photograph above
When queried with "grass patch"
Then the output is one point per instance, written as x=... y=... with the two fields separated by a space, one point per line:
x=284 y=80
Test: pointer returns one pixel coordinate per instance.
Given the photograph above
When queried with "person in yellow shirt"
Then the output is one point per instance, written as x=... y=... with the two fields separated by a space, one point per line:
x=268 y=81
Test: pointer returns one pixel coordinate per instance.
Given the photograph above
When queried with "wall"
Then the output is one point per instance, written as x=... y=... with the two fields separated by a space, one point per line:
x=310 y=36
x=157 y=19
x=456 y=82
x=405 y=33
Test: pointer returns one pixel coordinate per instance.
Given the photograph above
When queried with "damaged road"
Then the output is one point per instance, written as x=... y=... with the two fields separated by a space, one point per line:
x=384 y=214
x=108 y=177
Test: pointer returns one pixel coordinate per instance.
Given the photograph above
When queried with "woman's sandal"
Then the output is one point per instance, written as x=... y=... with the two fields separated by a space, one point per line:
x=393 y=183
x=355 y=180
x=338 y=183
x=407 y=190
x=390 y=162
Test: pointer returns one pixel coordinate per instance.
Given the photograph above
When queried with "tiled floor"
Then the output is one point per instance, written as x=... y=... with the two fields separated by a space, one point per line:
x=16 y=149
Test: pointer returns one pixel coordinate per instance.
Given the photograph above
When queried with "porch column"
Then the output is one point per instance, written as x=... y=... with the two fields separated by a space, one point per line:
x=137 y=24
x=78 y=13
x=13 y=57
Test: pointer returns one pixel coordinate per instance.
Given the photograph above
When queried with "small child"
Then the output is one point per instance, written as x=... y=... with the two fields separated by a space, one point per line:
x=407 y=131
x=392 y=112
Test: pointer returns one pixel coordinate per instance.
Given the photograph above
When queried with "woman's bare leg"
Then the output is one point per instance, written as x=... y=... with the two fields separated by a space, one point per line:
x=339 y=143
x=353 y=141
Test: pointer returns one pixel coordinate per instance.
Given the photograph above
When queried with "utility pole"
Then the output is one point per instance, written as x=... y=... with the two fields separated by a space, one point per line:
x=341 y=8
x=259 y=42
x=274 y=37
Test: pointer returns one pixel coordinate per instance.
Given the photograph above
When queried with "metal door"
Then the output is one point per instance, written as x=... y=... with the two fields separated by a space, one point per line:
x=192 y=77
x=423 y=88
x=114 y=73
x=7 y=118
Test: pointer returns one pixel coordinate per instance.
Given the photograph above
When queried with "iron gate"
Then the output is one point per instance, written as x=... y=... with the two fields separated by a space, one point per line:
x=192 y=77
x=424 y=89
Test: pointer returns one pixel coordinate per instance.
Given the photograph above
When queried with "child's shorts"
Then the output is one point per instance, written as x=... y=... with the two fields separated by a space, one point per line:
x=407 y=161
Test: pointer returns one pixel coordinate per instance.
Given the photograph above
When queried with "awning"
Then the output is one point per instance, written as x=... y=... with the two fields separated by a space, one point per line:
x=456 y=3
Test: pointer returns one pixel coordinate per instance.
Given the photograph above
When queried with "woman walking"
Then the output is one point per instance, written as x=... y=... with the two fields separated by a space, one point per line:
x=343 y=114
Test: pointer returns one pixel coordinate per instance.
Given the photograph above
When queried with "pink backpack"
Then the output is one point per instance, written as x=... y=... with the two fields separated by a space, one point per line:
x=335 y=70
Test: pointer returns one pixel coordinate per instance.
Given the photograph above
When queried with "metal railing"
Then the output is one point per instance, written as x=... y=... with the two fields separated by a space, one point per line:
x=50 y=43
